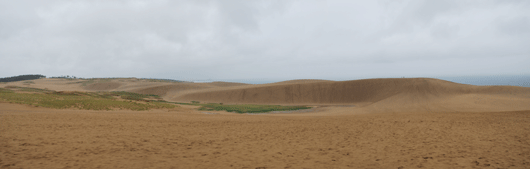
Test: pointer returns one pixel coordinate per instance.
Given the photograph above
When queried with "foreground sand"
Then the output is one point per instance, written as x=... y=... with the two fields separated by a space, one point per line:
x=45 y=138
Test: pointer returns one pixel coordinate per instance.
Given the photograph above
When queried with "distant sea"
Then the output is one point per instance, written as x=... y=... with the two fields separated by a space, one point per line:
x=521 y=80
x=517 y=80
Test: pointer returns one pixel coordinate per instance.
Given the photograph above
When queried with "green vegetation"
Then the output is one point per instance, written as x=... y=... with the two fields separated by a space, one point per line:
x=64 y=77
x=186 y=103
x=108 y=101
x=3 y=90
x=29 y=89
x=83 y=82
x=134 y=96
x=243 y=108
x=249 y=108
x=79 y=100
x=21 y=78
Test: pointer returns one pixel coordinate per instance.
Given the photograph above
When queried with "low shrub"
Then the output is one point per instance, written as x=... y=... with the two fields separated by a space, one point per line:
x=250 y=108
x=133 y=96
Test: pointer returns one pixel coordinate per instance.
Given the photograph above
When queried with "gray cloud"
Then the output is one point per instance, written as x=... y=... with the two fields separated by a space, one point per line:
x=264 y=39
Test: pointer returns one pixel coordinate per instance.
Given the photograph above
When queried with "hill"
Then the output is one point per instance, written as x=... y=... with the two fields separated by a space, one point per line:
x=397 y=94
x=367 y=95
x=332 y=92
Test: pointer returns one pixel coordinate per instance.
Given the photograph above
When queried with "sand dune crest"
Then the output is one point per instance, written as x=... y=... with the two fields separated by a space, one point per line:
x=382 y=95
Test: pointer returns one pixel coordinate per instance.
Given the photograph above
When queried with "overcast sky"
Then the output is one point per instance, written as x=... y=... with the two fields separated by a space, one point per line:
x=284 y=39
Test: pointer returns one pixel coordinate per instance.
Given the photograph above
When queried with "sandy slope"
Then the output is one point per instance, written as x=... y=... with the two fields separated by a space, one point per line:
x=332 y=92
x=45 y=138
x=381 y=95
x=120 y=84
x=372 y=123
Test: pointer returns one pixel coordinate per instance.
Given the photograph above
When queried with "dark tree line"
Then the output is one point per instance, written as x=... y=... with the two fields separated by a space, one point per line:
x=65 y=77
x=21 y=78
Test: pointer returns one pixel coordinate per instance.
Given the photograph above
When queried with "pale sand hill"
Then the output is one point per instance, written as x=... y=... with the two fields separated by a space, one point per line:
x=381 y=95
x=332 y=92
x=103 y=86
x=164 y=89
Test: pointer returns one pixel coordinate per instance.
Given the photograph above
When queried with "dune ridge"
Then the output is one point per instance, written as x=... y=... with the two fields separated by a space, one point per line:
x=394 y=95
x=368 y=90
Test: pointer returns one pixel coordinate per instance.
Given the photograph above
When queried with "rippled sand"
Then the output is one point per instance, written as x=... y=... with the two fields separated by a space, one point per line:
x=326 y=138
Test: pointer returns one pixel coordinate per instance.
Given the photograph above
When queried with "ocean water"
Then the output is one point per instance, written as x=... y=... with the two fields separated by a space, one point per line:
x=523 y=80
x=519 y=80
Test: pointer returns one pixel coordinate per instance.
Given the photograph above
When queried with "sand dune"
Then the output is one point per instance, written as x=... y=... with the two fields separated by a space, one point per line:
x=103 y=86
x=331 y=92
x=371 y=123
x=163 y=90
x=369 y=90
x=378 y=95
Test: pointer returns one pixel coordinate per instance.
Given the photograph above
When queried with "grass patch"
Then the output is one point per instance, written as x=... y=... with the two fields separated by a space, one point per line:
x=76 y=82
x=249 y=108
x=78 y=100
x=107 y=101
x=3 y=90
x=83 y=82
x=134 y=96
x=187 y=104
x=29 y=89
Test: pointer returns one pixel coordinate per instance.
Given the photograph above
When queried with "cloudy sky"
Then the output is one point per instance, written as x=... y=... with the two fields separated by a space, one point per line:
x=284 y=39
